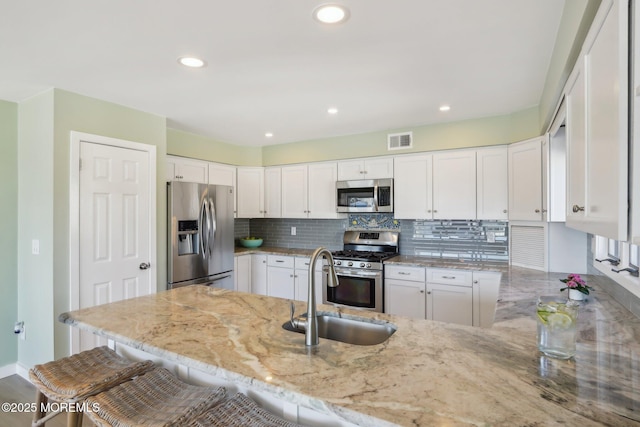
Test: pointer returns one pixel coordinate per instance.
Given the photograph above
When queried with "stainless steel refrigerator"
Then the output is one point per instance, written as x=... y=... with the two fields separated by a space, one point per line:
x=201 y=240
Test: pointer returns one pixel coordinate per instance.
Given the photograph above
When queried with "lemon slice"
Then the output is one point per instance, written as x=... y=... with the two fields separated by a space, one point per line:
x=559 y=320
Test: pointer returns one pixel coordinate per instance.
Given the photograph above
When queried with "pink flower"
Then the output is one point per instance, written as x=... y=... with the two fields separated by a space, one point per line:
x=572 y=284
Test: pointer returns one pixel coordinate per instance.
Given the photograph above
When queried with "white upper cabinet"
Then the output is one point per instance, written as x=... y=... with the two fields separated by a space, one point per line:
x=371 y=168
x=294 y=192
x=273 y=192
x=188 y=170
x=413 y=190
x=454 y=184
x=597 y=118
x=526 y=180
x=250 y=192
x=492 y=183
x=220 y=174
x=309 y=191
x=322 y=190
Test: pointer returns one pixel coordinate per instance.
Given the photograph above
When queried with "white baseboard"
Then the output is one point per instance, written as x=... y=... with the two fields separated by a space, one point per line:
x=7 y=371
x=23 y=371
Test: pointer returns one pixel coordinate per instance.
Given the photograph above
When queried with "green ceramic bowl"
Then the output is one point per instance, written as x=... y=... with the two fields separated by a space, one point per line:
x=251 y=243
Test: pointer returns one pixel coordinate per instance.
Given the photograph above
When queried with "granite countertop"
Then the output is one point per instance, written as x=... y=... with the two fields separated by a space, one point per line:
x=272 y=250
x=428 y=373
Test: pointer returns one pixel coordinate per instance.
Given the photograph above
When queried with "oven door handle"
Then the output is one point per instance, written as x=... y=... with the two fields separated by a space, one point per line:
x=357 y=273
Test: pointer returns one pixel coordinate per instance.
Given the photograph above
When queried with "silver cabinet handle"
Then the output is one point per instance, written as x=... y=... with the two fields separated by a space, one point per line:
x=537 y=211
x=448 y=277
x=279 y=260
x=402 y=273
x=577 y=208
x=144 y=265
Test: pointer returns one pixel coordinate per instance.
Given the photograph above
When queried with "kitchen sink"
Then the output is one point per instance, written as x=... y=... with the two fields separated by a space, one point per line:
x=349 y=330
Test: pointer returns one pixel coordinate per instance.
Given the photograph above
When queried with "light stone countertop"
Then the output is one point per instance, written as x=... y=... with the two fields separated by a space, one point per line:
x=428 y=373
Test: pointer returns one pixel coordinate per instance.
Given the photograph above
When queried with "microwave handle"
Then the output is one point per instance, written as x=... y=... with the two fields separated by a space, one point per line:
x=375 y=197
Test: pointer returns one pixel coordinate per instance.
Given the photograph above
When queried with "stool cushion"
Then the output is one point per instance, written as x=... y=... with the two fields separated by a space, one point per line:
x=156 y=398
x=89 y=372
x=240 y=411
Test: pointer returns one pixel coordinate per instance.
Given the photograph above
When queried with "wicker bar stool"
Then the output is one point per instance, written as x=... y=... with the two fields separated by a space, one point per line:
x=156 y=399
x=240 y=411
x=72 y=379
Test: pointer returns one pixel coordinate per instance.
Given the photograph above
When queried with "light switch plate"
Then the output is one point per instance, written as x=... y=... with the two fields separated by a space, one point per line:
x=35 y=247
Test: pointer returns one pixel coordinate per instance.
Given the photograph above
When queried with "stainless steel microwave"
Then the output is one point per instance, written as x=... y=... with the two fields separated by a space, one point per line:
x=370 y=195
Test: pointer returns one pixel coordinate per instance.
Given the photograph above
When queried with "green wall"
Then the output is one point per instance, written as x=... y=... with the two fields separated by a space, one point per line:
x=469 y=133
x=8 y=231
x=45 y=123
x=185 y=144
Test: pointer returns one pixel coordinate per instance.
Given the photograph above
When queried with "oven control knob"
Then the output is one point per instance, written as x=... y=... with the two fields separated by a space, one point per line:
x=368 y=265
x=350 y=264
x=337 y=262
x=362 y=265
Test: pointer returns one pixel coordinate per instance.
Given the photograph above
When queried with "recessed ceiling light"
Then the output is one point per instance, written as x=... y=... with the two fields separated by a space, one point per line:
x=331 y=13
x=268 y=135
x=332 y=110
x=445 y=108
x=189 y=61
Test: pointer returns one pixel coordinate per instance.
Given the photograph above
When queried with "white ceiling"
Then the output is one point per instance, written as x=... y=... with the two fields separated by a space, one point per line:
x=272 y=68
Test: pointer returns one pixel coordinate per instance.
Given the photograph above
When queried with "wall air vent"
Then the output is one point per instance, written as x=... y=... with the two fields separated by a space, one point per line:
x=399 y=141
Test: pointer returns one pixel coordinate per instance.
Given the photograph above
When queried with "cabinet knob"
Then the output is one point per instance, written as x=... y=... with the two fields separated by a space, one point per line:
x=429 y=211
x=421 y=291
x=475 y=281
x=577 y=208
x=504 y=211
x=537 y=211
x=429 y=293
x=435 y=211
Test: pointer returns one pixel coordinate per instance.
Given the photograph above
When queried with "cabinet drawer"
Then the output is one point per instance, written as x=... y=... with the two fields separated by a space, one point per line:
x=302 y=263
x=450 y=277
x=415 y=274
x=280 y=261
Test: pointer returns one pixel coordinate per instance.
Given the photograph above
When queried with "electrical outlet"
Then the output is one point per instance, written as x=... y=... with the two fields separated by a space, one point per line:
x=18 y=329
x=491 y=237
x=293 y=231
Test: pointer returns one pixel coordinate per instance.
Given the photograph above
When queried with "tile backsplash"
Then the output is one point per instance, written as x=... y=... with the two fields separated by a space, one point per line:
x=459 y=239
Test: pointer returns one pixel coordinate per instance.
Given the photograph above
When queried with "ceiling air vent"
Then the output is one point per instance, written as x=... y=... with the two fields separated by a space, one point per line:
x=400 y=141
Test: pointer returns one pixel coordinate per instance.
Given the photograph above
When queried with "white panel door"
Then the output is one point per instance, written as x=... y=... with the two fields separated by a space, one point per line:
x=492 y=183
x=322 y=190
x=525 y=180
x=294 y=192
x=451 y=304
x=454 y=185
x=412 y=187
x=273 y=192
x=405 y=298
x=114 y=227
x=250 y=192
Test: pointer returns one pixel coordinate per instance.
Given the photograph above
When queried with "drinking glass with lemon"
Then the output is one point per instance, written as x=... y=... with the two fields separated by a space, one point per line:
x=557 y=329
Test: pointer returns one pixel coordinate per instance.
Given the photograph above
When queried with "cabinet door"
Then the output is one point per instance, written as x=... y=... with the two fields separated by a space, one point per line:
x=280 y=282
x=454 y=185
x=605 y=63
x=294 y=192
x=302 y=279
x=525 y=180
x=250 y=192
x=452 y=304
x=273 y=192
x=492 y=188
x=171 y=170
x=259 y=274
x=576 y=146
x=322 y=190
x=189 y=170
x=224 y=175
x=242 y=273
x=378 y=168
x=486 y=287
x=350 y=169
x=412 y=187
x=405 y=298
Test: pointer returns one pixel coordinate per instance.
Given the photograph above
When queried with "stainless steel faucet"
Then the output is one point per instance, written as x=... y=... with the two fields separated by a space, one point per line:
x=310 y=325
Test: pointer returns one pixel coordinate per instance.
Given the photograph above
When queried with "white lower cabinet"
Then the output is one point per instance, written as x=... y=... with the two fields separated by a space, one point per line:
x=301 y=276
x=242 y=273
x=259 y=274
x=280 y=276
x=405 y=291
x=453 y=296
x=486 y=287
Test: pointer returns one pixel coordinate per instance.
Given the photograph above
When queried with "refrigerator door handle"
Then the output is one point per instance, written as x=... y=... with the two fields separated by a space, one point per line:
x=214 y=224
x=204 y=222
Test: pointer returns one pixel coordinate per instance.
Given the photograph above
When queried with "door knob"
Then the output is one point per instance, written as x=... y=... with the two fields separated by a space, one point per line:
x=144 y=265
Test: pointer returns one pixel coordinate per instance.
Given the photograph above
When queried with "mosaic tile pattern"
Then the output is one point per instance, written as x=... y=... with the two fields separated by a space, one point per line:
x=376 y=222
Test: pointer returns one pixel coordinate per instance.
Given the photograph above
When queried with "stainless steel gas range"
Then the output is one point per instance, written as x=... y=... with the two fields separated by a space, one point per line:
x=360 y=269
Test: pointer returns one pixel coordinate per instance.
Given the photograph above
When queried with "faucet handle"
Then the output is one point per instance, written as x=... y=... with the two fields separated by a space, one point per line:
x=293 y=311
